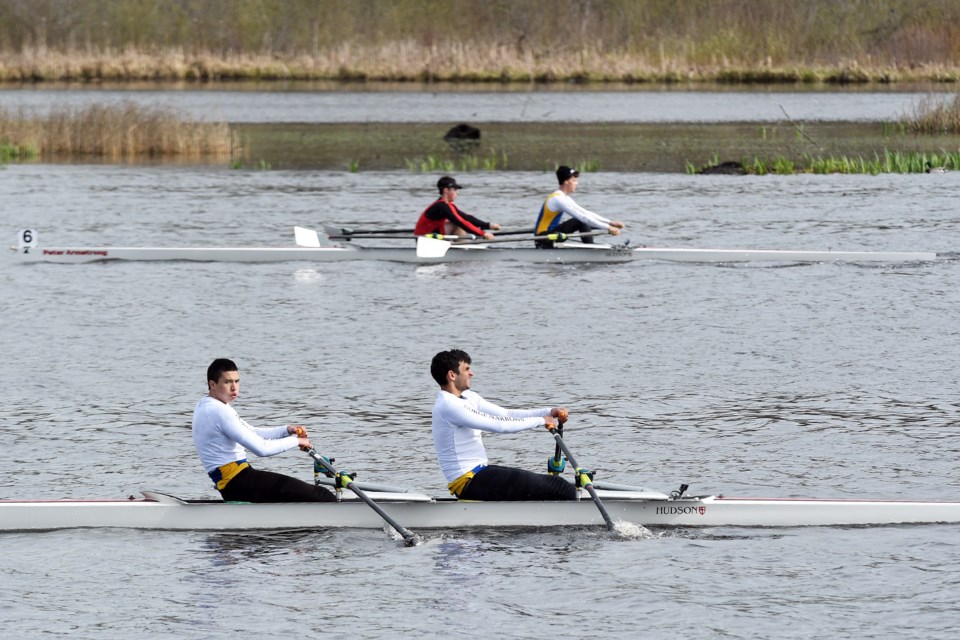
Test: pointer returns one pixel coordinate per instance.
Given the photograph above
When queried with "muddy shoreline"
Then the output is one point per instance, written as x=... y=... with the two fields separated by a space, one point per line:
x=644 y=147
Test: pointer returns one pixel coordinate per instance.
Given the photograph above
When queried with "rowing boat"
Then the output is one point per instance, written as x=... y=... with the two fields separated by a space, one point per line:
x=418 y=511
x=564 y=253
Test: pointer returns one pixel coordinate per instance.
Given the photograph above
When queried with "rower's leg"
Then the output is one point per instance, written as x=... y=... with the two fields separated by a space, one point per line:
x=497 y=483
x=583 y=228
x=253 y=485
x=450 y=229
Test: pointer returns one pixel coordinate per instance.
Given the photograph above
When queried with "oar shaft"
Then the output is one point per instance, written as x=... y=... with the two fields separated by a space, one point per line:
x=408 y=536
x=586 y=482
x=384 y=236
x=581 y=234
x=354 y=233
x=378 y=236
x=518 y=232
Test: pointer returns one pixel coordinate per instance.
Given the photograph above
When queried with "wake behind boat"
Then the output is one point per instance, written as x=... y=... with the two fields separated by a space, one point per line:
x=316 y=247
x=417 y=511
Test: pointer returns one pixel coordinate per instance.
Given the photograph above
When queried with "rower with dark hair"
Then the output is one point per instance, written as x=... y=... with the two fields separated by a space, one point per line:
x=581 y=220
x=461 y=416
x=220 y=436
x=443 y=216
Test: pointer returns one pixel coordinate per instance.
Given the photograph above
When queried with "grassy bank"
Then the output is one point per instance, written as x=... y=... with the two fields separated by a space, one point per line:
x=654 y=147
x=130 y=133
x=832 y=41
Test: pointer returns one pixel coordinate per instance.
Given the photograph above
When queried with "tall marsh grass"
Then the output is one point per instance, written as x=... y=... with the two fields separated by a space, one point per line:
x=113 y=132
x=934 y=114
x=736 y=41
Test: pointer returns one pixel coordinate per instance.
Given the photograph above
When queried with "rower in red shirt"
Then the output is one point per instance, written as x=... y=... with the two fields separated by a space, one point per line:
x=445 y=218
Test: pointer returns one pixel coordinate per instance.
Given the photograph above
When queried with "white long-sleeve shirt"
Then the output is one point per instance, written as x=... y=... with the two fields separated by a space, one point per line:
x=221 y=436
x=458 y=424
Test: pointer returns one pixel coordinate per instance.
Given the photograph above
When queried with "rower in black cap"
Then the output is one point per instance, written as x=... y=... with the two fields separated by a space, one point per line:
x=581 y=220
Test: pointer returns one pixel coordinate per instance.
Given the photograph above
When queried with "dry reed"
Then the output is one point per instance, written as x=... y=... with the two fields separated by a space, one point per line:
x=456 y=61
x=125 y=130
x=534 y=40
x=934 y=114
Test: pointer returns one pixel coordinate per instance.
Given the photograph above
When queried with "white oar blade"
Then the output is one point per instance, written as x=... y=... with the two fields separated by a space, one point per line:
x=306 y=237
x=431 y=247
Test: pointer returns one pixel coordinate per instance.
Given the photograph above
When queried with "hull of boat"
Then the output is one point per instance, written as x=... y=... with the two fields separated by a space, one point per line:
x=167 y=513
x=76 y=255
x=564 y=254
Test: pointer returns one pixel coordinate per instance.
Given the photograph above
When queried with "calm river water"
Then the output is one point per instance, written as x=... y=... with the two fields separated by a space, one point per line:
x=826 y=380
x=324 y=103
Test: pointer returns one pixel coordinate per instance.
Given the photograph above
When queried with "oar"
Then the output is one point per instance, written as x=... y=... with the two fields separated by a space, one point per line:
x=305 y=237
x=583 y=478
x=343 y=232
x=428 y=247
x=555 y=237
x=310 y=238
x=347 y=231
x=518 y=232
x=346 y=481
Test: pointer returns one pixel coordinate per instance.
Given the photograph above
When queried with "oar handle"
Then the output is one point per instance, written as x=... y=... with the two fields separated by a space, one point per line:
x=409 y=537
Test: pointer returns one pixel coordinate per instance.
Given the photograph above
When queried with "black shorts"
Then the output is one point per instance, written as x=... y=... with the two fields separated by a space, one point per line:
x=571 y=225
x=496 y=483
x=253 y=485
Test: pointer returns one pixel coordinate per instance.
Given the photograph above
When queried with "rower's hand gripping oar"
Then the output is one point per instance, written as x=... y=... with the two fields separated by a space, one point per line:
x=345 y=481
x=584 y=479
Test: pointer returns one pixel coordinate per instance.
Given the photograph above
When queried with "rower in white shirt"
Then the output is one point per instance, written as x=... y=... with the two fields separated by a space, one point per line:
x=222 y=437
x=461 y=416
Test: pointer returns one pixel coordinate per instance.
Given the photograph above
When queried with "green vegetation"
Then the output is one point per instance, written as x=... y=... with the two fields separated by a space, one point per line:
x=542 y=146
x=731 y=41
x=11 y=152
x=461 y=162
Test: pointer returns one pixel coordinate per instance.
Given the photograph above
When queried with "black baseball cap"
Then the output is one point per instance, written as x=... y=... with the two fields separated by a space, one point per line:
x=446 y=182
x=564 y=173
